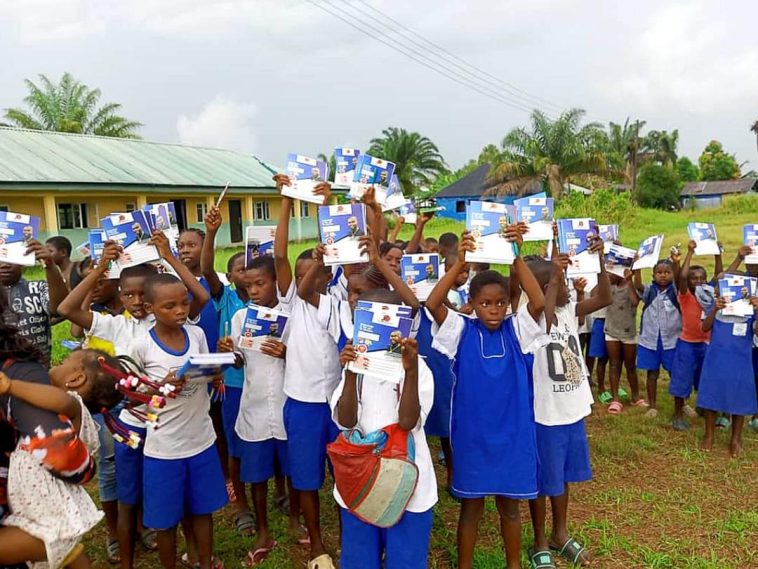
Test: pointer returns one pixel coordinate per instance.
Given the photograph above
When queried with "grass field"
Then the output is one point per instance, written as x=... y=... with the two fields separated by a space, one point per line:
x=656 y=501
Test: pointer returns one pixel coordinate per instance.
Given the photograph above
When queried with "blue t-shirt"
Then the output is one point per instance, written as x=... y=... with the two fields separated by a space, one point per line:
x=209 y=319
x=226 y=306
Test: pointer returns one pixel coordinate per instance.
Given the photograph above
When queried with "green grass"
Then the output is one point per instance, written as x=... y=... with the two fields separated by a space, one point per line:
x=656 y=500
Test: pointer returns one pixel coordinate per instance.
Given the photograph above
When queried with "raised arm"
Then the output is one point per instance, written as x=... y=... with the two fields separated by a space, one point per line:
x=418 y=235
x=307 y=287
x=392 y=238
x=580 y=284
x=347 y=406
x=198 y=293
x=374 y=218
x=281 y=238
x=526 y=279
x=45 y=397
x=634 y=296
x=409 y=409
x=561 y=262
x=436 y=301
x=56 y=286
x=707 y=323
x=718 y=261
x=742 y=252
x=406 y=294
x=682 y=283
x=602 y=297
x=637 y=280
x=208 y=254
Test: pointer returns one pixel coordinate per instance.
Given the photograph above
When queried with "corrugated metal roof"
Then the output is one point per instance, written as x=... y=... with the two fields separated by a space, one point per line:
x=41 y=157
x=472 y=185
x=741 y=186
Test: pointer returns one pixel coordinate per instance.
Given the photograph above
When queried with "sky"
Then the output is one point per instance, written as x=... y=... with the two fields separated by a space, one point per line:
x=271 y=77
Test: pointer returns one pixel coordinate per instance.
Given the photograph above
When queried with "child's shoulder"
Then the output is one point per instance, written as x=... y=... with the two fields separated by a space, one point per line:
x=195 y=332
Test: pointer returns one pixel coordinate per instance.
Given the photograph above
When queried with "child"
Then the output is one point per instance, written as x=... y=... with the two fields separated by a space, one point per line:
x=182 y=472
x=597 y=352
x=727 y=381
x=60 y=254
x=311 y=373
x=562 y=399
x=660 y=327
x=620 y=333
x=369 y=405
x=227 y=301
x=457 y=297
x=391 y=253
x=491 y=427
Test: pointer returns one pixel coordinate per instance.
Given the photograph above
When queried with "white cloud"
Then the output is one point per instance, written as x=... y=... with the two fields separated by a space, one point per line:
x=222 y=123
x=44 y=21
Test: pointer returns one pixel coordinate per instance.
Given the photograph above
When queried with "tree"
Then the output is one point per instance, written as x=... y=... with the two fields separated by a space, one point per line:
x=623 y=147
x=715 y=164
x=660 y=146
x=686 y=170
x=547 y=154
x=657 y=186
x=70 y=106
x=417 y=159
x=754 y=128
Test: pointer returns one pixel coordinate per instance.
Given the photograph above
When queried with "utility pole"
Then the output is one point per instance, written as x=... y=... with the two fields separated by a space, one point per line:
x=635 y=148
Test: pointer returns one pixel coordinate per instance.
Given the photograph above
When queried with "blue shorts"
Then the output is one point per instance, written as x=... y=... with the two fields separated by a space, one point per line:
x=106 y=462
x=654 y=359
x=129 y=469
x=175 y=487
x=259 y=459
x=597 y=347
x=230 y=408
x=564 y=455
x=406 y=544
x=685 y=371
x=309 y=429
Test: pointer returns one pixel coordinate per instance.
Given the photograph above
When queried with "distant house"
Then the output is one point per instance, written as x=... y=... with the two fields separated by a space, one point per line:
x=711 y=194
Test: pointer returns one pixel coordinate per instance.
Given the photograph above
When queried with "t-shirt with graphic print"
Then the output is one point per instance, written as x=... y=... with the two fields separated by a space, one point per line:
x=28 y=302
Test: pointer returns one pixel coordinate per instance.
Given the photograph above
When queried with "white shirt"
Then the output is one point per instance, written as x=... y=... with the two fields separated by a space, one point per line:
x=378 y=406
x=261 y=411
x=312 y=368
x=556 y=400
x=185 y=427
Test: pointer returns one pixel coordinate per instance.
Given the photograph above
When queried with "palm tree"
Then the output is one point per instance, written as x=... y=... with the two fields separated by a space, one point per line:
x=70 y=106
x=754 y=128
x=661 y=146
x=624 y=143
x=417 y=159
x=548 y=154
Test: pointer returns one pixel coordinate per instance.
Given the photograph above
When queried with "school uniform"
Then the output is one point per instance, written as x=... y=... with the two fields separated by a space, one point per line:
x=562 y=399
x=597 y=348
x=182 y=470
x=492 y=428
x=312 y=372
x=727 y=382
x=259 y=425
x=690 y=348
x=660 y=327
x=438 y=422
x=406 y=544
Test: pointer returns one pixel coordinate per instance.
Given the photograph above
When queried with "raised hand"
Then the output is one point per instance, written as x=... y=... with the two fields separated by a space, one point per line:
x=213 y=219
x=323 y=189
x=515 y=232
x=318 y=253
x=225 y=345
x=369 y=199
x=368 y=246
x=160 y=242
x=466 y=244
x=580 y=284
x=281 y=180
x=409 y=351
x=41 y=252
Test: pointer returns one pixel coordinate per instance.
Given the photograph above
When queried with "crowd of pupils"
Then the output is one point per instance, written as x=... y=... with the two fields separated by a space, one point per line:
x=499 y=368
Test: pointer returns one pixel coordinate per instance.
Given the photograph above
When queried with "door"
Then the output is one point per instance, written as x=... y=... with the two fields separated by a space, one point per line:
x=235 y=221
x=181 y=213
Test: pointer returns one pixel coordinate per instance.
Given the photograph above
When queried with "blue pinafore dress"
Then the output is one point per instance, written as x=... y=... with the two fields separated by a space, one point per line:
x=727 y=383
x=492 y=430
x=438 y=422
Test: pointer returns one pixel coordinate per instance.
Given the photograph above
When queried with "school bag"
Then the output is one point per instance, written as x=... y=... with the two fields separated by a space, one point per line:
x=652 y=293
x=375 y=474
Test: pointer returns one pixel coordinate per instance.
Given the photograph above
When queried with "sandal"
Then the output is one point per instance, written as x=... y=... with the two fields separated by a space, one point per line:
x=255 y=558
x=571 y=551
x=723 y=423
x=605 y=397
x=640 y=403
x=542 y=559
x=245 y=523
x=111 y=551
x=216 y=563
x=282 y=503
x=623 y=394
x=615 y=408
x=149 y=540
x=323 y=561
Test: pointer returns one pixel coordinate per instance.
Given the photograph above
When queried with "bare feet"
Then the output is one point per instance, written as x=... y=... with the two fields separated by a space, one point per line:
x=735 y=447
x=707 y=444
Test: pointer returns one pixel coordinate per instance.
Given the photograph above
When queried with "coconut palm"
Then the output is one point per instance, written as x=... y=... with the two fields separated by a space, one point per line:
x=70 y=106
x=754 y=128
x=660 y=146
x=547 y=154
x=624 y=143
x=417 y=159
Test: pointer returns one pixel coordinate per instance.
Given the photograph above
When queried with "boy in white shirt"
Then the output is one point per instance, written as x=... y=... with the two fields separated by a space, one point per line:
x=182 y=468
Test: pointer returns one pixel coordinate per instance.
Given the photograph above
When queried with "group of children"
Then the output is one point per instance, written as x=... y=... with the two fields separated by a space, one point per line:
x=495 y=366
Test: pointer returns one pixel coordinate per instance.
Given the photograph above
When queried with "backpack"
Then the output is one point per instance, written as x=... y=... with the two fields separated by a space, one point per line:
x=652 y=293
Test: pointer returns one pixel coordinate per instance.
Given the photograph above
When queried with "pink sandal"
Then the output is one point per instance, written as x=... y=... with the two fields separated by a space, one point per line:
x=255 y=558
x=640 y=403
x=615 y=408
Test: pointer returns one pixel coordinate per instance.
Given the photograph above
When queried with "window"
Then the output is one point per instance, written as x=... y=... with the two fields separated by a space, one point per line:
x=4 y=208
x=261 y=211
x=72 y=215
x=130 y=207
x=202 y=210
x=460 y=206
x=305 y=210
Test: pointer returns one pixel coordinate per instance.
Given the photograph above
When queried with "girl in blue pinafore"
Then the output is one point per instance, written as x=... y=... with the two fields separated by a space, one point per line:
x=727 y=383
x=492 y=431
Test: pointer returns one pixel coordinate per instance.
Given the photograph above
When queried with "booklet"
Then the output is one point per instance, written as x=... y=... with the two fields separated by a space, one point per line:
x=376 y=338
x=347 y=162
x=305 y=174
x=371 y=171
x=574 y=238
x=385 y=309
x=261 y=324
x=648 y=252
x=421 y=273
x=83 y=249
x=162 y=217
x=259 y=240
x=408 y=212
x=394 y=197
x=341 y=226
x=737 y=290
x=16 y=230
x=750 y=238
x=538 y=214
x=96 y=244
x=202 y=368
x=487 y=222
x=132 y=232
x=608 y=232
x=618 y=259
x=704 y=234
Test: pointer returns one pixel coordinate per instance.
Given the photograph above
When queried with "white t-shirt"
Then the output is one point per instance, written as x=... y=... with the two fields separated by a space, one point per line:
x=558 y=401
x=378 y=405
x=312 y=368
x=261 y=413
x=185 y=427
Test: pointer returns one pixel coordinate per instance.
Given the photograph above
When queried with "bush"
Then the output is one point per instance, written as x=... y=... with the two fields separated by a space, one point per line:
x=658 y=187
x=604 y=206
x=746 y=203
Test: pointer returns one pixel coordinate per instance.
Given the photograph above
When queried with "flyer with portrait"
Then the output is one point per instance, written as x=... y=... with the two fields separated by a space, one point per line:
x=487 y=222
x=347 y=161
x=341 y=227
x=393 y=198
x=750 y=238
x=131 y=231
x=16 y=231
x=737 y=290
x=537 y=213
x=305 y=174
x=575 y=237
x=204 y=368
x=96 y=244
x=618 y=259
x=408 y=213
x=704 y=234
x=259 y=240
x=261 y=324
x=421 y=272
x=162 y=217
x=608 y=234
x=377 y=341
x=648 y=252
x=383 y=308
x=371 y=171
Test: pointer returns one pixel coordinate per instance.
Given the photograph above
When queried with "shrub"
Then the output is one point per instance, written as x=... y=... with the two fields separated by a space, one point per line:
x=604 y=206
x=746 y=203
x=658 y=187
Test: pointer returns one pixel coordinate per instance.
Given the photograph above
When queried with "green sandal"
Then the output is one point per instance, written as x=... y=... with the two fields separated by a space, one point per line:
x=605 y=397
x=571 y=551
x=542 y=559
